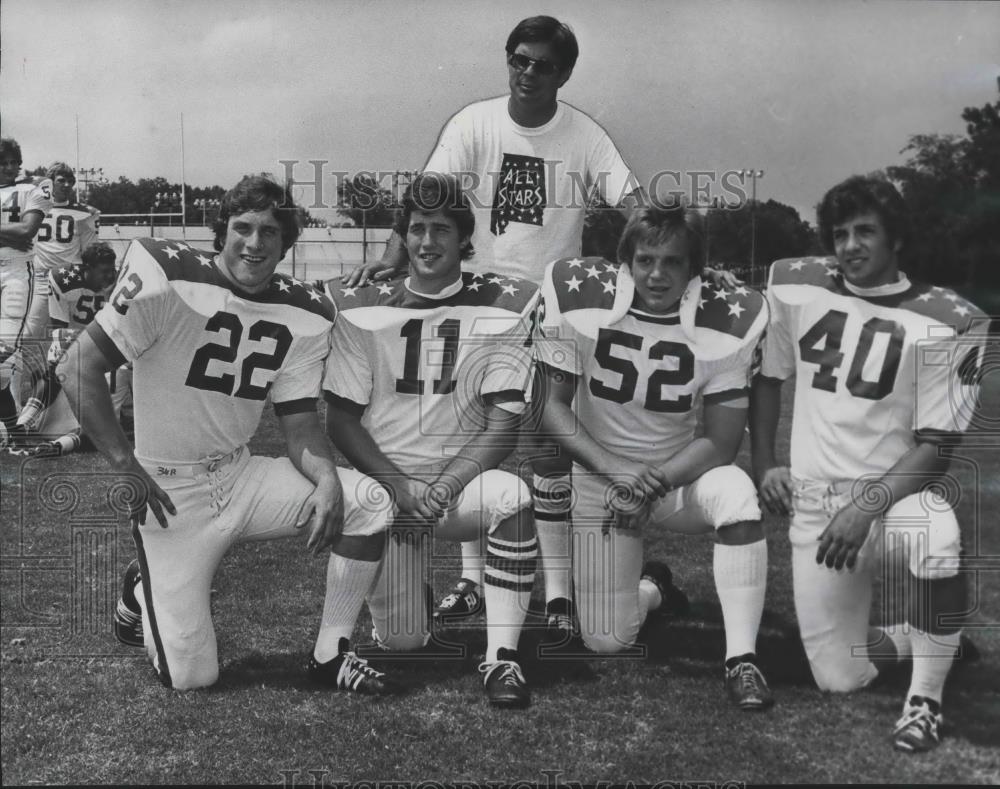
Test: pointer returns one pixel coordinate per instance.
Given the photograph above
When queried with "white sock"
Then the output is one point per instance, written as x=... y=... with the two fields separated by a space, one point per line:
x=473 y=561
x=741 y=582
x=900 y=639
x=551 y=499
x=510 y=577
x=933 y=655
x=347 y=583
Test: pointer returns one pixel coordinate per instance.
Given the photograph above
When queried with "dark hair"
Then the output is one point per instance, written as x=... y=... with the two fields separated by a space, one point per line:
x=430 y=192
x=96 y=253
x=548 y=30
x=60 y=168
x=9 y=149
x=860 y=194
x=260 y=193
x=656 y=226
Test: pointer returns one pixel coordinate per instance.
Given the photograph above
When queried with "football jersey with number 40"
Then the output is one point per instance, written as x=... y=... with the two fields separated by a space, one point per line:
x=873 y=368
x=205 y=355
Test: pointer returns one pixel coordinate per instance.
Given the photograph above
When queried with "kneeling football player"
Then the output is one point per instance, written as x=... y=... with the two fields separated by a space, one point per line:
x=633 y=353
x=425 y=386
x=886 y=371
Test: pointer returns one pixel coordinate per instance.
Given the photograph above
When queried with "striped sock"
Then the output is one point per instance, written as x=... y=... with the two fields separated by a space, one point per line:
x=510 y=576
x=551 y=497
x=31 y=414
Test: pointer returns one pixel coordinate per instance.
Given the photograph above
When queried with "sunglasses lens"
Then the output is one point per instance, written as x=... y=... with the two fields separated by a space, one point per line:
x=522 y=62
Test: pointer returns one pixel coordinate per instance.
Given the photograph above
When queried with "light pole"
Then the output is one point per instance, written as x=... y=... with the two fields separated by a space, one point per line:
x=753 y=175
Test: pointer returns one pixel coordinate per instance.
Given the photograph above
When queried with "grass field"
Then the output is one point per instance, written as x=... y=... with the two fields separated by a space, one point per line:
x=79 y=708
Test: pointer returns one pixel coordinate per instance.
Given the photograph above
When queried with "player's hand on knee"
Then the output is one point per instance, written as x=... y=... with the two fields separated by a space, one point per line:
x=644 y=481
x=842 y=539
x=323 y=512
x=414 y=501
x=149 y=495
x=775 y=490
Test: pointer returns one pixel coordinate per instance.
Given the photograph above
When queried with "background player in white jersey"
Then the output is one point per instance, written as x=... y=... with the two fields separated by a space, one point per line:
x=210 y=338
x=885 y=369
x=425 y=386
x=67 y=229
x=24 y=205
x=633 y=353
x=76 y=292
x=529 y=162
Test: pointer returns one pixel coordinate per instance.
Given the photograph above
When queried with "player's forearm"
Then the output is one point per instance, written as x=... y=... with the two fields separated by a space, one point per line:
x=355 y=443
x=309 y=448
x=701 y=455
x=21 y=232
x=90 y=398
x=561 y=425
x=765 y=409
x=913 y=471
x=486 y=450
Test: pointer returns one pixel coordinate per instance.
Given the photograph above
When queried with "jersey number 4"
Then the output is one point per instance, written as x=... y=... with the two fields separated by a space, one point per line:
x=821 y=345
x=199 y=377
x=607 y=339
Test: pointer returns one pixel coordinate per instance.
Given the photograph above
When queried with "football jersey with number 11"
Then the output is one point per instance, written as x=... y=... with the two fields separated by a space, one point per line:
x=422 y=369
x=205 y=355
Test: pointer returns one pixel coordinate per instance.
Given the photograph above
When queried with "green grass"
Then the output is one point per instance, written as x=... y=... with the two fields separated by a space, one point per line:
x=77 y=707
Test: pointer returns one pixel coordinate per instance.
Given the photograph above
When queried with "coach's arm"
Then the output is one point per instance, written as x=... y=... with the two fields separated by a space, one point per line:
x=81 y=370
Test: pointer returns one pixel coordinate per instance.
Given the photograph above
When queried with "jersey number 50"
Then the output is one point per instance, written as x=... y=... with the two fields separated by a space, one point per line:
x=655 y=401
x=198 y=376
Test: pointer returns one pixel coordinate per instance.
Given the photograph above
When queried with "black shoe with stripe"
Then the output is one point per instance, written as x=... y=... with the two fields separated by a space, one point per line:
x=128 y=614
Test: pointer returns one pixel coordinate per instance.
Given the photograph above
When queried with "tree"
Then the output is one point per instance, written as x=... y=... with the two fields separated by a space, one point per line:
x=362 y=200
x=951 y=185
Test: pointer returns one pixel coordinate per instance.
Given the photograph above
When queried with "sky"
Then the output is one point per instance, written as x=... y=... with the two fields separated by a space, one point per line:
x=809 y=92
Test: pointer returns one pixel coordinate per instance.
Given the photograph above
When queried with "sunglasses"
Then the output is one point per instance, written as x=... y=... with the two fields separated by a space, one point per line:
x=523 y=62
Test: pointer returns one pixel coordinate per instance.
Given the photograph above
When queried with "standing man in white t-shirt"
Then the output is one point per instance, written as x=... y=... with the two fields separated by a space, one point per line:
x=528 y=163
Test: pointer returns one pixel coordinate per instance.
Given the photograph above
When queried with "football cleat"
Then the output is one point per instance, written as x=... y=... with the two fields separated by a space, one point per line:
x=128 y=614
x=349 y=672
x=747 y=688
x=559 y=617
x=673 y=602
x=918 y=730
x=460 y=602
x=504 y=681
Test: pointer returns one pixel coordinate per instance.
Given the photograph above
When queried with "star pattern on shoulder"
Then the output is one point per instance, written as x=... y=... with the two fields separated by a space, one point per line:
x=609 y=285
x=721 y=293
x=172 y=252
x=349 y=291
x=384 y=288
x=495 y=279
x=925 y=296
x=736 y=309
x=283 y=286
x=510 y=290
x=574 y=284
x=593 y=272
x=575 y=263
x=961 y=309
x=474 y=286
x=798 y=265
x=314 y=294
x=205 y=260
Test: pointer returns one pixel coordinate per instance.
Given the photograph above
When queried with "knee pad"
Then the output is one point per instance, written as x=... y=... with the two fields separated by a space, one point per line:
x=726 y=495
x=487 y=501
x=845 y=676
x=924 y=526
x=400 y=642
